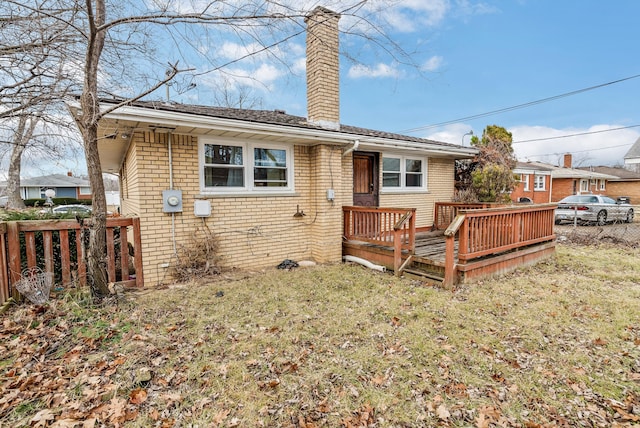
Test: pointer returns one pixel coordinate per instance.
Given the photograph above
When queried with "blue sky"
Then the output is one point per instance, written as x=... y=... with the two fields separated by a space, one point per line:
x=469 y=57
x=475 y=57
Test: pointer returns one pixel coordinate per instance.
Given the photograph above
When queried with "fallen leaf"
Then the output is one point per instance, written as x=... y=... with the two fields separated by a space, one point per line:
x=42 y=417
x=442 y=412
x=138 y=396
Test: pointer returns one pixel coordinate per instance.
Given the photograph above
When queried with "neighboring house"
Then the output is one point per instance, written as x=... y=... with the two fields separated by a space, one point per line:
x=566 y=180
x=268 y=185
x=65 y=186
x=534 y=183
x=632 y=157
x=626 y=183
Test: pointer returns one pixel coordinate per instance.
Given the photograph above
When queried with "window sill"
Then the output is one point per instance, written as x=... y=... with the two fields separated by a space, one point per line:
x=247 y=195
x=404 y=192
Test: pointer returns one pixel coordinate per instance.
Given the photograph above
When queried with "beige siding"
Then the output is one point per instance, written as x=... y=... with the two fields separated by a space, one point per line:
x=440 y=187
x=252 y=231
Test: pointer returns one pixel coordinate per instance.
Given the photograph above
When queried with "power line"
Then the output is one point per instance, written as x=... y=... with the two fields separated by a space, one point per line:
x=580 y=151
x=519 y=106
x=575 y=135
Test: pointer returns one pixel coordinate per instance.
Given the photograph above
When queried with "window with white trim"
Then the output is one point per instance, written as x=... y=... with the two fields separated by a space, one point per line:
x=539 y=182
x=245 y=167
x=584 y=185
x=602 y=184
x=524 y=179
x=84 y=190
x=405 y=173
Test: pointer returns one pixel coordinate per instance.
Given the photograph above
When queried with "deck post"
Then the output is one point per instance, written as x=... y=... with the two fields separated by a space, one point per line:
x=449 y=262
x=397 y=251
x=449 y=251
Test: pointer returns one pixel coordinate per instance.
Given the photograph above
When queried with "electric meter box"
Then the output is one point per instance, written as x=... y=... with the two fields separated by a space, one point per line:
x=202 y=208
x=172 y=201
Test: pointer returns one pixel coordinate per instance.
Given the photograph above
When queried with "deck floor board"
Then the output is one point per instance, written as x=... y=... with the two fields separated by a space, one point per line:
x=431 y=246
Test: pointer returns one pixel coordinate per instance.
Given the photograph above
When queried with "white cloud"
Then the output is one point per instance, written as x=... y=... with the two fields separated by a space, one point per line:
x=593 y=148
x=432 y=64
x=379 y=70
x=452 y=134
x=599 y=145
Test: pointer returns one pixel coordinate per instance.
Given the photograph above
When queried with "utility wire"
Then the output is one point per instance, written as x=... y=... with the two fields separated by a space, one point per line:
x=519 y=106
x=575 y=135
x=580 y=151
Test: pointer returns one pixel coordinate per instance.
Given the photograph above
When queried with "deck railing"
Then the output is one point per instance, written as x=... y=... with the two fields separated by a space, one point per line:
x=394 y=227
x=483 y=232
x=55 y=246
x=445 y=212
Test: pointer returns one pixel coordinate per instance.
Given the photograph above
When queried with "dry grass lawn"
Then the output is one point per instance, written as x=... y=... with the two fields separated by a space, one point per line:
x=557 y=344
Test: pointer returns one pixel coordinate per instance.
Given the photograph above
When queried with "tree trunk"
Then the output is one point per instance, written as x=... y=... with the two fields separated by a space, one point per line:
x=88 y=121
x=97 y=251
x=20 y=139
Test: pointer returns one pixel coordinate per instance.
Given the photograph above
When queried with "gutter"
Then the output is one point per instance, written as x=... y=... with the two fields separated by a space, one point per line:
x=313 y=135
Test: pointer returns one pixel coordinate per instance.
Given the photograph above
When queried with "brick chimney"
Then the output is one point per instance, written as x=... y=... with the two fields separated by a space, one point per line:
x=568 y=160
x=323 y=69
x=69 y=174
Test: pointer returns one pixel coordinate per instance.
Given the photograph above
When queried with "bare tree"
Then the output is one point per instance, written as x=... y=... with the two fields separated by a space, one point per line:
x=32 y=87
x=109 y=40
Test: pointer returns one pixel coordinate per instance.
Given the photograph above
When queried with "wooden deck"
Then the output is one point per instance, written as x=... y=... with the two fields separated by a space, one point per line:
x=479 y=242
x=431 y=246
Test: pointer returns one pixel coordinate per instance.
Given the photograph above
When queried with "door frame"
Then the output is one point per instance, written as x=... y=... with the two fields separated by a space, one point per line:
x=375 y=174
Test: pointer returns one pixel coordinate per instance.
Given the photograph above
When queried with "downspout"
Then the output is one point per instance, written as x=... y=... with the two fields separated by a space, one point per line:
x=173 y=215
x=364 y=262
x=170 y=161
x=356 y=143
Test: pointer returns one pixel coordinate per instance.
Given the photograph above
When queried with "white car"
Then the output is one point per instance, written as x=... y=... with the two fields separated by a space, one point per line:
x=3 y=201
x=75 y=209
x=593 y=209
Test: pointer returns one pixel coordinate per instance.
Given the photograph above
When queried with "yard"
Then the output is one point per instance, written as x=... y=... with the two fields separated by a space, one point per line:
x=557 y=344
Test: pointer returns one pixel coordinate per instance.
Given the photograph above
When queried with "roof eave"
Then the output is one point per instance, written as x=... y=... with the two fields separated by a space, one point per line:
x=162 y=118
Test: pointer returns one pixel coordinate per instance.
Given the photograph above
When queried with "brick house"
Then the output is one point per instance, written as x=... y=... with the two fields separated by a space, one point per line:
x=268 y=185
x=626 y=183
x=534 y=183
x=566 y=180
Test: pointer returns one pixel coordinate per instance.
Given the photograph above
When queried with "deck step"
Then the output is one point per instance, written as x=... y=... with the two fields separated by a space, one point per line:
x=423 y=275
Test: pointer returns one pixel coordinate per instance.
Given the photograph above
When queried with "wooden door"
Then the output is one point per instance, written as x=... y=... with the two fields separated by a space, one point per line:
x=365 y=179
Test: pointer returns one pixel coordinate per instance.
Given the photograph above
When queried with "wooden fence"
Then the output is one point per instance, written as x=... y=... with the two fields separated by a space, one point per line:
x=56 y=246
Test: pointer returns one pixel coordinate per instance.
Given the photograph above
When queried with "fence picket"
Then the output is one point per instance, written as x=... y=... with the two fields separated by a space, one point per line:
x=12 y=252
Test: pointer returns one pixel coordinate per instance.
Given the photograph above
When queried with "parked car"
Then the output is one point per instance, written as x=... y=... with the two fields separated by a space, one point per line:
x=75 y=209
x=3 y=201
x=593 y=209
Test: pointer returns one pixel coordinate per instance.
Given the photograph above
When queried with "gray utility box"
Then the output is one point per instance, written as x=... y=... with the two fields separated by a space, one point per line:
x=172 y=201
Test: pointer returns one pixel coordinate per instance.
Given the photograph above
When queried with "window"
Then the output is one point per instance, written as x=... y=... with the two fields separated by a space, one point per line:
x=602 y=184
x=245 y=167
x=524 y=179
x=584 y=185
x=403 y=173
x=539 y=182
x=85 y=190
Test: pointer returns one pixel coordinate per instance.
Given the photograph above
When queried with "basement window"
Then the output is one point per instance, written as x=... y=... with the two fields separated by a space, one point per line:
x=233 y=167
